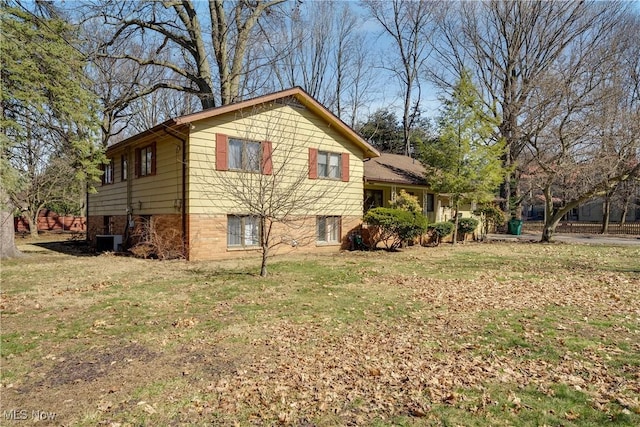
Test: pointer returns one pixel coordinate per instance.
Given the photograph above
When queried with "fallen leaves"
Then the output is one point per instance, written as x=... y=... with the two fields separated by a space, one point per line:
x=403 y=366
x=394 y=342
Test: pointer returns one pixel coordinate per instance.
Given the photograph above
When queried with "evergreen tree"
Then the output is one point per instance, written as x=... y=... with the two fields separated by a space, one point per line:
x=464 y=160
x=383 y=131
x=47 y=114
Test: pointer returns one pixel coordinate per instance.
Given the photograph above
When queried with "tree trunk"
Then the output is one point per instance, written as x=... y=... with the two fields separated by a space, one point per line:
x=505 y=186
x=7 y=235
x=550 y=219
x=606 y=214
x=625 y=210
x=548 y=230
x=32 y=220
x=263 y=265
x=455 y=227
x=265 y=234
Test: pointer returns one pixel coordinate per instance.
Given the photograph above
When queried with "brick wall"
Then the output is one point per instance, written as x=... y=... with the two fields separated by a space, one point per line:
x=166 y=230
x=208 y=237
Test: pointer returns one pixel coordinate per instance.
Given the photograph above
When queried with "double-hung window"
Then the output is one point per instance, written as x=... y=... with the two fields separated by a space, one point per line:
x=145 y=160
x=124 y=168
x=243 y=231
x=146 y=157
x=244 y=155
x=107 y=177
x=329 y=165
x=328 y=229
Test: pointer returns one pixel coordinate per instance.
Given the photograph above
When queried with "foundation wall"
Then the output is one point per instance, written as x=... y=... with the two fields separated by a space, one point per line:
x=207 y=235
x=208 y=238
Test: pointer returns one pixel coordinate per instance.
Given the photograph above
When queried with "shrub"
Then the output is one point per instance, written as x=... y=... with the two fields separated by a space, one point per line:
x=440 y=230
x=394 y=227
x=406 y=202
x=151 y=243
x=467 y=225
x=493 y=216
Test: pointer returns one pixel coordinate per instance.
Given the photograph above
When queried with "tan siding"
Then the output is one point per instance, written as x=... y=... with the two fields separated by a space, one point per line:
x=292 y=131
x=110 y=199
x=150 y=195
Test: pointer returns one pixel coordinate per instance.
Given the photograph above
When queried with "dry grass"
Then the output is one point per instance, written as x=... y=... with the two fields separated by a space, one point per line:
x=479 y=334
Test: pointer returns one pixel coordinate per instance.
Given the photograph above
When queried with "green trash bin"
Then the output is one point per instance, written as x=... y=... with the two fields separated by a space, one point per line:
x=515 y=227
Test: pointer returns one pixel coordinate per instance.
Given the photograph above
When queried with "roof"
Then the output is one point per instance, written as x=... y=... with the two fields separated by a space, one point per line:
x=395 y=168
x=298 y=93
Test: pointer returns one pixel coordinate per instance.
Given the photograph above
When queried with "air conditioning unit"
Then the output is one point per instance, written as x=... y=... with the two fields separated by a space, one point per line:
x=109 y=243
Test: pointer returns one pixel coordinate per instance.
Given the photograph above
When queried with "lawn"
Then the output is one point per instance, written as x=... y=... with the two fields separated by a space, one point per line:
x=473 y=335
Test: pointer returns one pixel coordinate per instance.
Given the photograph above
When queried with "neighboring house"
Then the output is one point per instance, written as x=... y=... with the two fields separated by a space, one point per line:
x=593 y=211
x=176 y=179
x=386 y=175
x=590 y=211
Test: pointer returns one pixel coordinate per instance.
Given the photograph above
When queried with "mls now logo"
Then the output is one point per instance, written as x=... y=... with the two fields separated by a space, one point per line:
x=23 y=415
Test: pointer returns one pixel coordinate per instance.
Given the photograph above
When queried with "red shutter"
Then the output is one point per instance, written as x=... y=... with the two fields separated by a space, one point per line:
x=138 y=160
x=153 y=158
x=345 y=167
x=267 y=163
x=222 y=163
x=313 y=163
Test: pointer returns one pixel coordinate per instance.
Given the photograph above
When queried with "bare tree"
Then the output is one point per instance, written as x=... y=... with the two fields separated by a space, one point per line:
x=409 y=24
x=587 y=135
x=510 y=46
x=321 y=49
x=180 y=38
x=159 y=106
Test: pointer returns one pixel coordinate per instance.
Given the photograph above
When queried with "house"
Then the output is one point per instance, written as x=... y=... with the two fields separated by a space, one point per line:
x=385 y=176
x=182 y=182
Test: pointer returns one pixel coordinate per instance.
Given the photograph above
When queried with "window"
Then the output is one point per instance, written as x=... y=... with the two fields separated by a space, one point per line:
x=124 y=168
x=107 y=177
x=328 y=229
x=329 y=165
x=146 y=156
x=323 y=164
x=107 y=225
x=430 y=201
x=243 y=231
x=372 y=199
x=146 y=160
x=244 y=155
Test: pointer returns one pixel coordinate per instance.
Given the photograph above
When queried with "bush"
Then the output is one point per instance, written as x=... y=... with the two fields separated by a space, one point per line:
x=493 y=217
x=394 y=227
x=406 y=202
x=467 y=225
x=440 y=230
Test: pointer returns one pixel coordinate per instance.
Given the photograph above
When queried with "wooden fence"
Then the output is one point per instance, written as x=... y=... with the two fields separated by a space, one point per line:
x=51 y=221
x=631 y=228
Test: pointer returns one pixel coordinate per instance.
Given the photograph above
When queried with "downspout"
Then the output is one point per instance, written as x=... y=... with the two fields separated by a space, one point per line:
x=183 y=204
